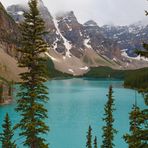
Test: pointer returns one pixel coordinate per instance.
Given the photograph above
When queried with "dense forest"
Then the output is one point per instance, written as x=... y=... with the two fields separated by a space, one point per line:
x=137 y=79
x=132 y=78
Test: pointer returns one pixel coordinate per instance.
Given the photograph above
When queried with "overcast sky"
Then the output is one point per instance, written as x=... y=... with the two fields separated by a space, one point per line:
x=118 y=12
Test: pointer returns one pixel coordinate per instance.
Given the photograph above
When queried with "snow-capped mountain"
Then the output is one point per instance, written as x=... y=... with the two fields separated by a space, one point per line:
x=128 y=37
x=75 y=47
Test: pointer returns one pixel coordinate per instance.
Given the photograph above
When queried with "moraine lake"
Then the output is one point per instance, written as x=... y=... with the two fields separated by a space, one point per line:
x=77 y=103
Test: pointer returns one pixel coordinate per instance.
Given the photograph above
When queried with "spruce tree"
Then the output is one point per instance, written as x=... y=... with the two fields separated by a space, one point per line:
x=7 y=135
x=143 y=122
x=133 y=138
x=95 y=142
x=144 y=53
x=138 y=136
x=33 y=93
x=89 y=138
x=108 y=130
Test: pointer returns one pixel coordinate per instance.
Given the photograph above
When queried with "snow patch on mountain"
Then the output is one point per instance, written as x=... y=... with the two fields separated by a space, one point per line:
x=20 y=12
x=84 y=68
x=66 y=42
x=71 y=70
x=69 y=28
x=124 y=53
x=114 y=59
x=54 y=59
x=55 y=45
x=86 y=41
x=81 y=34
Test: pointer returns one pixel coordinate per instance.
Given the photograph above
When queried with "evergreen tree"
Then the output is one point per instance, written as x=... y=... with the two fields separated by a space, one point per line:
x=144 y=53
x=138 y=136
x=108 y=130
x=143 y=116
x=95 y=142
x=89 y=138
x=7 y=135
x=33 y=93
x=133 y=139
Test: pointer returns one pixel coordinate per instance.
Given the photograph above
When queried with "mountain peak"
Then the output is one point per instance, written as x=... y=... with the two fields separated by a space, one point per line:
x=68 y=16
x=70 y=13
x=65 y=14
x=90 y=23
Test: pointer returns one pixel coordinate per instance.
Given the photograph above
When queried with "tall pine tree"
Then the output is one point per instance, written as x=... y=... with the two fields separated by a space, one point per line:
x=108 y=130
x=95 y=142
x=89 y=138
x=142 y=133
x=6 y=137
x=32 y=94
x=138 y=136
x=133 y=139
x=144 y=53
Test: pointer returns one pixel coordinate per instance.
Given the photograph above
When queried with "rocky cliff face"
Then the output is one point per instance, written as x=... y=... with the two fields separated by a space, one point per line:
x=8 y=27
x=101 y=44
x=9 y=32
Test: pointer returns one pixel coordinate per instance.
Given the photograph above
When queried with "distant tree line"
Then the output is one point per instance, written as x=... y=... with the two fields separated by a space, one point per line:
x=137 y=79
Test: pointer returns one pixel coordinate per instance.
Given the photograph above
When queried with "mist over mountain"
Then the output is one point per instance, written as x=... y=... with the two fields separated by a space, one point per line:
x=116 y=12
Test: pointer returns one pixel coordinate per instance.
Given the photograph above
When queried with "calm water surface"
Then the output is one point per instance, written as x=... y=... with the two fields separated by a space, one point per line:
x=77 y=103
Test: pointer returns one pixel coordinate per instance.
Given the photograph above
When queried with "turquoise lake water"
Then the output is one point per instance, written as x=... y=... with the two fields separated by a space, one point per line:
x=77 y=103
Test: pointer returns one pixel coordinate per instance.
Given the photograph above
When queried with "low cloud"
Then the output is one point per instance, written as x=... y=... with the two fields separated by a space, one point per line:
x=119 y=12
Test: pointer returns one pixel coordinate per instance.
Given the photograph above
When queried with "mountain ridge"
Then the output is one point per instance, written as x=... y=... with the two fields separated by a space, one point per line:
x=75 y=47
